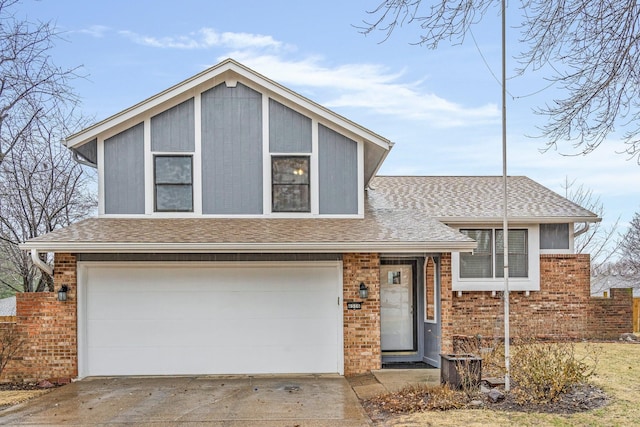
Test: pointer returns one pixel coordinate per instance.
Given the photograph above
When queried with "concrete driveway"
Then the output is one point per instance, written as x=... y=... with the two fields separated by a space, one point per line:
x=313 y=400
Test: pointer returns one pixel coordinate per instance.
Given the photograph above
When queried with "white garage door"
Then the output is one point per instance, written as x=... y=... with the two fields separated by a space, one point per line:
x=242 y=318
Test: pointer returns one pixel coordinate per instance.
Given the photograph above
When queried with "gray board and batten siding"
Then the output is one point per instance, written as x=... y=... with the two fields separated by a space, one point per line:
x=338 y=170
x=289 y=131
x=232 y=154
x=232 y=150
x=173 y=130
x=124 y=172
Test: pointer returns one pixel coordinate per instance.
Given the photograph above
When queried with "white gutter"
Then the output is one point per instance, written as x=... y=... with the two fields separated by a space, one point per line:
x=81 y=160
x=582 y=230
x=517 y=220
x=35 y=257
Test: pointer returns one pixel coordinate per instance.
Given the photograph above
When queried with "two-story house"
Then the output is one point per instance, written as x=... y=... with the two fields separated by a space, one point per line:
x=242 y=230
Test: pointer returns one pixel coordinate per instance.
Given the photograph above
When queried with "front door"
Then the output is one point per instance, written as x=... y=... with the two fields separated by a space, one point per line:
x=397 y=302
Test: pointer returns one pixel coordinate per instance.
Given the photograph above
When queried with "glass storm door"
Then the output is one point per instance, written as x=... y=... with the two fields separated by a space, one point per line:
x=396 y=307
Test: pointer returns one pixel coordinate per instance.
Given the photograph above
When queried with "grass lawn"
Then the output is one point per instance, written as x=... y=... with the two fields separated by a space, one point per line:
x=618 y=374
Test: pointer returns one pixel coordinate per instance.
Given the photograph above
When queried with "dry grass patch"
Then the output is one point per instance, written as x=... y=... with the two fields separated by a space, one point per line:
x=13 y=397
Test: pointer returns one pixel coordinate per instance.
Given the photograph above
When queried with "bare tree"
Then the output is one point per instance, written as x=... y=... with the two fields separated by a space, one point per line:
x=600 y=241
x=42 y=188
x=631 y=246
x=591 y=50
x=32 y=89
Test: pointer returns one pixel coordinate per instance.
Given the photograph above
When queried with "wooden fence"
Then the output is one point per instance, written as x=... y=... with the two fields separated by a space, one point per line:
x=636 y=315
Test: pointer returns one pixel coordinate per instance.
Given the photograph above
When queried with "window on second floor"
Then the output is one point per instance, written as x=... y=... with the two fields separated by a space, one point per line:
x=173 y=182
x=554 y=236
x=290 y=184
x=487 y=261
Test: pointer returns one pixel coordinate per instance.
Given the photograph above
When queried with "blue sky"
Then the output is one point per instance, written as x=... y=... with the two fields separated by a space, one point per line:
x=441 y=107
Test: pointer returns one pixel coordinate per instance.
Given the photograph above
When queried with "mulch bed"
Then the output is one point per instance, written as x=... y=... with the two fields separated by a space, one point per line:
x=580 y=398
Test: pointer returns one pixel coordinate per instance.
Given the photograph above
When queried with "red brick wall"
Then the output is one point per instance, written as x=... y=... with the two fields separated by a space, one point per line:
x=611 y=317
x=49 y=330
x=361 y=327
x=562 y=309
x=447 y=316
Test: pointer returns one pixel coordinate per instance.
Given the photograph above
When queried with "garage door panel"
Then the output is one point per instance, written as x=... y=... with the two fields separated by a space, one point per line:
x=149 y=320
x=123 y=333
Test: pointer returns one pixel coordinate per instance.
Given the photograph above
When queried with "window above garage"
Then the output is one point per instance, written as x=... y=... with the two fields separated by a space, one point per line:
x=290 y=184
x=173 y=182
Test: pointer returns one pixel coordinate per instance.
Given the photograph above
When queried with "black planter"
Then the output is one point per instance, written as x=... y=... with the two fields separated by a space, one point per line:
x=460 y=370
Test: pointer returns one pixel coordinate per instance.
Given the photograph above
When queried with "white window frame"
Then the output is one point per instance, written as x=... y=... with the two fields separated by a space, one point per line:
x=155 y=184
x=436 y=289
x=530 y=283
x=310 y=195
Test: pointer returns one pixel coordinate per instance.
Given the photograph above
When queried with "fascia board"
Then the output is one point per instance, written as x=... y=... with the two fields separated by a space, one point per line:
x=382 y=247
x=518 y=220
x=149 y=103
x=209 y=74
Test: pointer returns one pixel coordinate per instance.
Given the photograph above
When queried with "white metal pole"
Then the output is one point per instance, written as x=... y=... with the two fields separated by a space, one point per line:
x=505 y=222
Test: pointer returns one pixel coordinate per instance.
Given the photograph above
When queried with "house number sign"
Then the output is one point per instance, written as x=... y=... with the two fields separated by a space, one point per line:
x=354 y=306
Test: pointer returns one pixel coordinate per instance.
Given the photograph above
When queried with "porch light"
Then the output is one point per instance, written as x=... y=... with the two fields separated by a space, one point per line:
x=62 y=293
x=364 y=291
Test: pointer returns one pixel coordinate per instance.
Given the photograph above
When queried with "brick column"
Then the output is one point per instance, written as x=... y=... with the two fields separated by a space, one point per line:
x=446 y=305
x=361 y=327
x=49 y=328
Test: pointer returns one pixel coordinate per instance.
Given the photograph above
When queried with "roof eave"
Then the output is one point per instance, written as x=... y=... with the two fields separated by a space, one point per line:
x=91 y=132
x=520 y=220
x=312 y=247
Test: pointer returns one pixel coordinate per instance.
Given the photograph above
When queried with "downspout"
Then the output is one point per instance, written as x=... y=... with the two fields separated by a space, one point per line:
x=582 y=230
x=80 y=159
x=35 y=257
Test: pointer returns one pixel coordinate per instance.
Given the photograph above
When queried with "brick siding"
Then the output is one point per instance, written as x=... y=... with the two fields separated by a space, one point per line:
x=611 y=317
x=49 y=330
x=562 y=309
x=361 y=327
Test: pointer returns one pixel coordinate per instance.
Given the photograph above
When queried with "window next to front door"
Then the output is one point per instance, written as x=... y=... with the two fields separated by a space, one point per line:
x=487 y=260
x=483 y=269
x=290 y=184
x=173 y=183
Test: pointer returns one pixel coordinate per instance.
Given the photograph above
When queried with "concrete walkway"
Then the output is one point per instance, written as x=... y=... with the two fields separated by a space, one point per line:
x=234 y=401
x=388 y=380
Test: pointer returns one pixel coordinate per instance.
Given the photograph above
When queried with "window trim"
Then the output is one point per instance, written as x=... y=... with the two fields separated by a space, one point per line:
x=306 y=157
x=155 y=184
x=530 y=283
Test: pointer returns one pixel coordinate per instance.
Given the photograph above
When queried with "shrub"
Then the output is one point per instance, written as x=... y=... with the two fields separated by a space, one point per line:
x=542 y=371
x=10 y=344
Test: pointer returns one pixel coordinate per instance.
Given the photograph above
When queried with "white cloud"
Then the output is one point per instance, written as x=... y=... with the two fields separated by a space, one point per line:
x=368 y=86
x=97 y=31
x=206 y=38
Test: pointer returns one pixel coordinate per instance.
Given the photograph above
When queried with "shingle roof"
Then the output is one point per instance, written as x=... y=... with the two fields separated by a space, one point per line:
x=402 y=214
x=475 y=199
x=381 y=230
